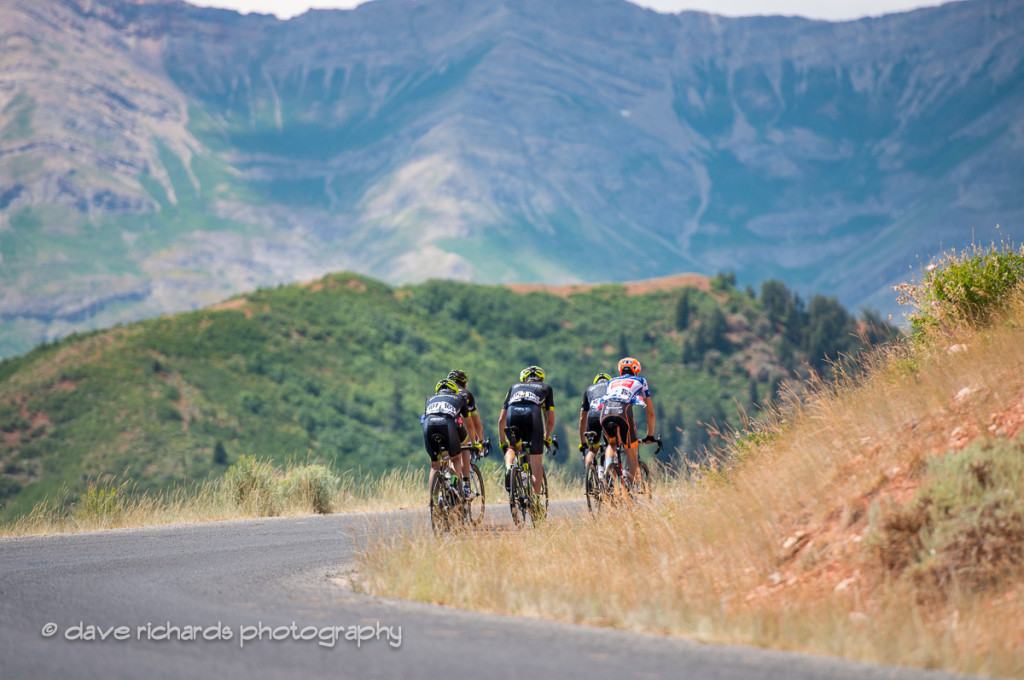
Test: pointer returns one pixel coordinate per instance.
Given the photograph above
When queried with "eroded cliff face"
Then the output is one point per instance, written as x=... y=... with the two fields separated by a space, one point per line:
x=156 y=156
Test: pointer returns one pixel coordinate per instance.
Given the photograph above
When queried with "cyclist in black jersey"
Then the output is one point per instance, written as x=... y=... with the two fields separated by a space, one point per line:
x=590 y=413
x=443 y=415
x=530 y=407
x=474 y=428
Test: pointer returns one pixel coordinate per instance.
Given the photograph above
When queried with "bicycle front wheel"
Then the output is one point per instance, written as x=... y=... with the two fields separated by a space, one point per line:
x=477 y=504
x=644 y=482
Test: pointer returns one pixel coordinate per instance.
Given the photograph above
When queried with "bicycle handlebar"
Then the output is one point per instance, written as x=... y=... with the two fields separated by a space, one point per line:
x=484 y=451
x=654 y=440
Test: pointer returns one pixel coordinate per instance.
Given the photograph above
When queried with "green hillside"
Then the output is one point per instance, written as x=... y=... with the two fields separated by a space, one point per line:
x=337 y=370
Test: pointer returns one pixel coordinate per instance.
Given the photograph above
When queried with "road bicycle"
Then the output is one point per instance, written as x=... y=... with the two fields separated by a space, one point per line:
x=523 y=501
x=448 y=511
x=601 y=489
x=594 y=487
x=592 y=484
x=477 y=502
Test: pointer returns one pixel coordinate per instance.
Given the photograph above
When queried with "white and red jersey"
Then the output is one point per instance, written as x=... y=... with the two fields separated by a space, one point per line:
x=630 y=389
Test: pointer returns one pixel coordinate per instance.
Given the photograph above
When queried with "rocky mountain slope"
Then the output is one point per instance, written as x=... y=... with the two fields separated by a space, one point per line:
x=155 y=156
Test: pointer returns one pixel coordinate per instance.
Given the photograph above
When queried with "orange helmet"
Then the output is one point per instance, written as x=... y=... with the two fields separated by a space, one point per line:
x=629 y=365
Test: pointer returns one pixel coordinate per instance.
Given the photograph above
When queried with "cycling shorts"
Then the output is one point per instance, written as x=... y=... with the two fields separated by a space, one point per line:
x=527 y=418
x=593 y=422
x=617 y=419
x=447 y=430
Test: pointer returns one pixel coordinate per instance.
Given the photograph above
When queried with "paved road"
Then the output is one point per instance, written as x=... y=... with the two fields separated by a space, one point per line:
x=229 y=578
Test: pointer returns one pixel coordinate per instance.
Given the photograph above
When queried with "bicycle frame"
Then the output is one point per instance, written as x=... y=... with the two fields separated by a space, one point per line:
x=523 y=500
x=598 y=488
x=477 y=504
x=448 y=508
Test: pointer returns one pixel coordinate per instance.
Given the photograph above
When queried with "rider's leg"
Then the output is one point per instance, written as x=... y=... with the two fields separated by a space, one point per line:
x=634 y=461
x=537 y=471
x=609 y=453
x=510 y=457
x=467 y=470
x=435 y=465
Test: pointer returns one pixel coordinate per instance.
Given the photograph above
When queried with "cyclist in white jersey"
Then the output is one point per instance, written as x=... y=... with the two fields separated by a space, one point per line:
x=625 y=390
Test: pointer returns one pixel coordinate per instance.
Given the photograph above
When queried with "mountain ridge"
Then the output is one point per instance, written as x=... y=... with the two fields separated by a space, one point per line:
x=207 y=153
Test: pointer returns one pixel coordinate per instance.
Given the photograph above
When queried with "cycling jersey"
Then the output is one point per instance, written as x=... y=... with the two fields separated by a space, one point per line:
x=630 y=389
x=592 y=405
x=592 y=396
x=470 y=400
x=536 y=393
x=446 y=403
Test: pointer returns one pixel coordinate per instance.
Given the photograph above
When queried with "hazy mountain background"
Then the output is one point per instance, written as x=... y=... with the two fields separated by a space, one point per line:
x=155 y=156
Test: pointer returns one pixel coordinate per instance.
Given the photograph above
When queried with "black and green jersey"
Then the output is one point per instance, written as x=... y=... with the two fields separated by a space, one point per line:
x=536 y=393
x=446 y=403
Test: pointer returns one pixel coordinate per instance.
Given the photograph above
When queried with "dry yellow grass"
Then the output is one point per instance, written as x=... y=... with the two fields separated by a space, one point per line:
x=394 y=490
x=782 y=548
x=399 y=488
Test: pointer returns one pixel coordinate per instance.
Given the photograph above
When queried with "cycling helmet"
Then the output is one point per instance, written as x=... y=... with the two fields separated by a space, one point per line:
x=458 y=377
x=532 y=373
x=446 y=384
x=601 y=376
x=629 y=365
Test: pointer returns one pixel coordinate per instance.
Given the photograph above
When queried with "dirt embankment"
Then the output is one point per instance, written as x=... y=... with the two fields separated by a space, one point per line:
x=632 y=287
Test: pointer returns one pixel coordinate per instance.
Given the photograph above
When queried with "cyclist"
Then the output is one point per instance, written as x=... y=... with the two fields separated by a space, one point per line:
x=590 y=415
x=617 y=421
x=474 y=428
x=443 y=415
x=523 y=407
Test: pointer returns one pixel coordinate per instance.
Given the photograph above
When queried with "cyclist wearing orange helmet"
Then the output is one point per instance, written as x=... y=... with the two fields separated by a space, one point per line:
x=617 y=421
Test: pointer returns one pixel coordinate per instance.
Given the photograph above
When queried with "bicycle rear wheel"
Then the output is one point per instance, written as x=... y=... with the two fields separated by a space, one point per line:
x=477 y=505
x=440 y=510
x=593 y=488
x=518 y=500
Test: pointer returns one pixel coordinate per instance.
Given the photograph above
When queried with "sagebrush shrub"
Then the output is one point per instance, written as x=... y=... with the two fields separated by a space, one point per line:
x=312 y=486
x=101 y=506
x=254 y=484
x=964 y=286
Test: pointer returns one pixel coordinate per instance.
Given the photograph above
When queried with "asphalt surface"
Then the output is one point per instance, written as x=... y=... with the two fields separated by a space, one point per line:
x=262 y=599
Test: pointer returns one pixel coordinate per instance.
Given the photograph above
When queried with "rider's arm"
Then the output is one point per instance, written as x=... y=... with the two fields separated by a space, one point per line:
x=549 y=407
x=583 y=420
x=501 y=425
x=649 y=407
x=476 y=428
